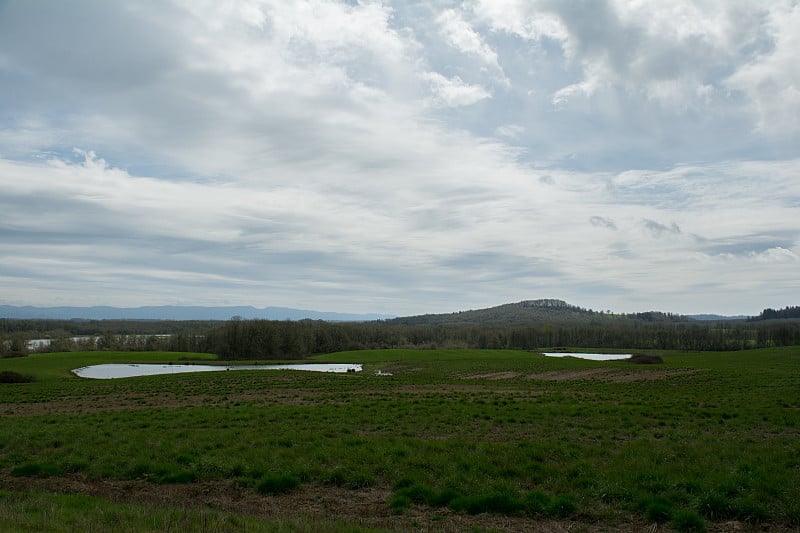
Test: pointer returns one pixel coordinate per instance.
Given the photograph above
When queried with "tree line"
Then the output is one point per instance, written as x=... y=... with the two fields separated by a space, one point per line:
x=270 y=339
x=772 y=314
x=264 y=339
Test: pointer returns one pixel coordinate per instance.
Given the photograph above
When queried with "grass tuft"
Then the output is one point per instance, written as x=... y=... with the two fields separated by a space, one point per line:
x=492 y=503
x=536 y=503
x=36 y=470
x=562 y=507
x=278 y=484
x=687 y=522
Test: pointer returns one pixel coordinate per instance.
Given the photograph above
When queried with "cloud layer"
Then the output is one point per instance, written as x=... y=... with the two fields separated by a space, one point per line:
x=400 y=158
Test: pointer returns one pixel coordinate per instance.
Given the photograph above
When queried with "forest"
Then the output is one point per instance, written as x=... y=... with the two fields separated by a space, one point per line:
x=269 y=339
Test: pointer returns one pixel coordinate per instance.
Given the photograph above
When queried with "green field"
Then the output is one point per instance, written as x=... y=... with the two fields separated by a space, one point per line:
x=454 y=440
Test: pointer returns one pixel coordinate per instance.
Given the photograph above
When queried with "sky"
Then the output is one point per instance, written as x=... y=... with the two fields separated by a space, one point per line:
x=401 y=157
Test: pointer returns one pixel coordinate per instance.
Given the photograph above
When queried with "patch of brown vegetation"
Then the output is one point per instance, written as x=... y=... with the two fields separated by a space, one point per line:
x=493 y=376
x=366 y=507
x=572 y=375
x=128 y=401
x=614 y=375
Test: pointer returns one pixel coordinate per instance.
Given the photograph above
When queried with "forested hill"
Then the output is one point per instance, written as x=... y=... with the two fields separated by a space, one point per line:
x=528 y=311
x=772 y=314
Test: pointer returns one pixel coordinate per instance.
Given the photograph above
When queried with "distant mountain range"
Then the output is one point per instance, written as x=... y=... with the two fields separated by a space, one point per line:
x=526 y=311
x=719 y=317
x=174 y=312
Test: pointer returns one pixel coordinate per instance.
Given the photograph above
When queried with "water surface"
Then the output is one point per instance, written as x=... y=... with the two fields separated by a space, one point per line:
x=130 y=370
x=592 y=356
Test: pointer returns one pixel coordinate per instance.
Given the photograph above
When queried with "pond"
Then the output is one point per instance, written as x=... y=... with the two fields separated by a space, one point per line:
x=130 y=370
x=592 y=356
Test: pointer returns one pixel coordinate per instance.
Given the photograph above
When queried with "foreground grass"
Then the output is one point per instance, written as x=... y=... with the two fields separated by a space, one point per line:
x=704 y=438
x=37 y=512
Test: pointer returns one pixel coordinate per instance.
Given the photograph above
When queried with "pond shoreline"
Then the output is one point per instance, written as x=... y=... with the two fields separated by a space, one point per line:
x=129 y=370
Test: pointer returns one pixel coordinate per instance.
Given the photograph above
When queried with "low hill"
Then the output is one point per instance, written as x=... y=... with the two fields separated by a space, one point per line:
x=528 y=311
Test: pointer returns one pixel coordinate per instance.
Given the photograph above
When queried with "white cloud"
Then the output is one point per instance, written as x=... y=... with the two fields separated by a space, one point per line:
x=775 y=254
x=460 y=35
x=453 y=92
x=280 y=153
x=522 y=18
x=673 y=53
x=771 y=79
x=510 y=131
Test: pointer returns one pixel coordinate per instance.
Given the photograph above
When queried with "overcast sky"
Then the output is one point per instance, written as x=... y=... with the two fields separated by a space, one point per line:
x=401 y=157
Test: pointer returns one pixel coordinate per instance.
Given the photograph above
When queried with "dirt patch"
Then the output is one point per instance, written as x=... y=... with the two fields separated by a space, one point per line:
x=494 y=376
x=609 y=375
x=134 y=401
x=572 y=375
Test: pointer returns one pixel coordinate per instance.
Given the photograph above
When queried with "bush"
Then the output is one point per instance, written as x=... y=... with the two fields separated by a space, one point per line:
x=644 y=359
x=277 y=484
x=11 y=355
x=8 y=376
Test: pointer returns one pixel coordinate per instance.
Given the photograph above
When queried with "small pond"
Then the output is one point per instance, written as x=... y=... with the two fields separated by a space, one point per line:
x=592 y=356
x=130 y=370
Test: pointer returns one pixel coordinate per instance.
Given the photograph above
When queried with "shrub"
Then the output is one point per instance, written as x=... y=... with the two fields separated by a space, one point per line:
x=644 y=359
x=8 y=376
x=277 y=484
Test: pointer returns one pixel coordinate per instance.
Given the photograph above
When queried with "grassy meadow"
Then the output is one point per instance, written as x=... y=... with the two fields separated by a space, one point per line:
x=453 y=440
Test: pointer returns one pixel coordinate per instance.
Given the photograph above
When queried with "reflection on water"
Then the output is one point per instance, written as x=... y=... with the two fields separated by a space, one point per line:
x=130 y=370
x=592 y=356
